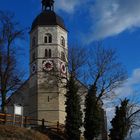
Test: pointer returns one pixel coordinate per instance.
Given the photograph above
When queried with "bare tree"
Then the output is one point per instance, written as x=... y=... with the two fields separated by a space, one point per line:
x=105 y=70
x=75 y=62
x=77 y=59
x=10 y=78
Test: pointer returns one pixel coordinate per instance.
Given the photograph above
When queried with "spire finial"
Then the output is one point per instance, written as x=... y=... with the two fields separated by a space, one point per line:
x=47 y=5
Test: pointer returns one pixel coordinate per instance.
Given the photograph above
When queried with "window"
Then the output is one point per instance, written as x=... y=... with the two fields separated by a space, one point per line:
x=48 y=38
x=33 y=42
x=33 y=56
x=63 y=56
x=45 y=39
x=48 y=98
x=62 y=41
x=46 y=53
x=50 y=53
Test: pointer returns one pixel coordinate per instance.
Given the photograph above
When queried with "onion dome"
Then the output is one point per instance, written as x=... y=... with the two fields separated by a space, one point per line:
x=48 y=16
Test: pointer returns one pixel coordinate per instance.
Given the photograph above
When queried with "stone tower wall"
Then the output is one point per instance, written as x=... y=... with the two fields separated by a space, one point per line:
x=49 y=99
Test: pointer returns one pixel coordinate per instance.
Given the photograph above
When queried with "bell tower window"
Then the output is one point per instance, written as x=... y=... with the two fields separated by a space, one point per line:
x=45 y=39
x=48 y=38
x=63 y=56
x=62 y=41
x=33 y=42
x=33 y=56
x=46 y=53
x=50 y=53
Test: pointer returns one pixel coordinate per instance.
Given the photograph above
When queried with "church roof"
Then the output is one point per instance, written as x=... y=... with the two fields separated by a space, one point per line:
x=48 y=17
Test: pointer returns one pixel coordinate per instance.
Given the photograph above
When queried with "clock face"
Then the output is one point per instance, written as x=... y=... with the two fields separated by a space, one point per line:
x=63 y=68
x=47 y=65
x=33 y=68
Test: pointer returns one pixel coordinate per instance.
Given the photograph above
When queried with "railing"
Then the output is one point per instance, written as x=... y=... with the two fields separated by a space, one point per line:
x=27 y=121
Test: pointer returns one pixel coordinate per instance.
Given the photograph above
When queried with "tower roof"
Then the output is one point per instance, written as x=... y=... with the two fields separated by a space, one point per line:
x=48 y=16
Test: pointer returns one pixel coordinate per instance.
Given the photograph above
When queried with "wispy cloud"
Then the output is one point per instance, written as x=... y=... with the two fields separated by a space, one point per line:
x=68 y=6
x=130 y=89
x=111 y=17
x=131 y=86
x=108 y=17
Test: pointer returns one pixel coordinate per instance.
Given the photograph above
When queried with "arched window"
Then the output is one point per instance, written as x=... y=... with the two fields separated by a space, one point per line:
x=48 y=38
x=46 y=53
x=63 y=56
x=45 y=39
x=50 y=53
x=33 y=42
x=62 y=41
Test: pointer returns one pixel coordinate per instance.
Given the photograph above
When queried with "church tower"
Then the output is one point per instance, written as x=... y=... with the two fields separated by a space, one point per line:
x=48 y=65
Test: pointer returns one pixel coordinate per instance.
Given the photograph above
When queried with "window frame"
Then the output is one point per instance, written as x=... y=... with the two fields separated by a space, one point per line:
x=50 y=53
x=62 y=41
x=33 y=56
x=33 y=41
x=46 y=52
x=47 y=38
x=63 y=57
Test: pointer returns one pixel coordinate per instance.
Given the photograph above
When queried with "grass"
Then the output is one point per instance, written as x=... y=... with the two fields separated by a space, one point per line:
x=17 y=133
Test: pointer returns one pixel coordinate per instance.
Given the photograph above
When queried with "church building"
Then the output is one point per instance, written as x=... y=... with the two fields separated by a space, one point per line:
x=43 y=94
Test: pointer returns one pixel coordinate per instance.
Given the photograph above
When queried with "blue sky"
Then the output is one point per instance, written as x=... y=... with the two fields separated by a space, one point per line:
x=114 y=22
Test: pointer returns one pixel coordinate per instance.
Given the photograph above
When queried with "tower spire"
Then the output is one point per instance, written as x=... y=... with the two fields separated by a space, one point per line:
x=47 y=5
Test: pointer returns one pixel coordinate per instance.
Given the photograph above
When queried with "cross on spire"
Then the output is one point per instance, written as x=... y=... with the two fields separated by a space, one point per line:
x=47 y=5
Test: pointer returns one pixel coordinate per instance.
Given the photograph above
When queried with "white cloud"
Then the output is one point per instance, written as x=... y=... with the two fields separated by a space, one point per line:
x=108 y=17
x=130 y=86
x=110 y=111
x=127 y=90
x=68 y=6
x=135 y=135
x=111 y=17
x=135 y=79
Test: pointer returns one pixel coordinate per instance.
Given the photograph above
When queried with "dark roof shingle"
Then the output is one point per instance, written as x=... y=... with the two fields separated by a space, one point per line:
x=48 y=18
